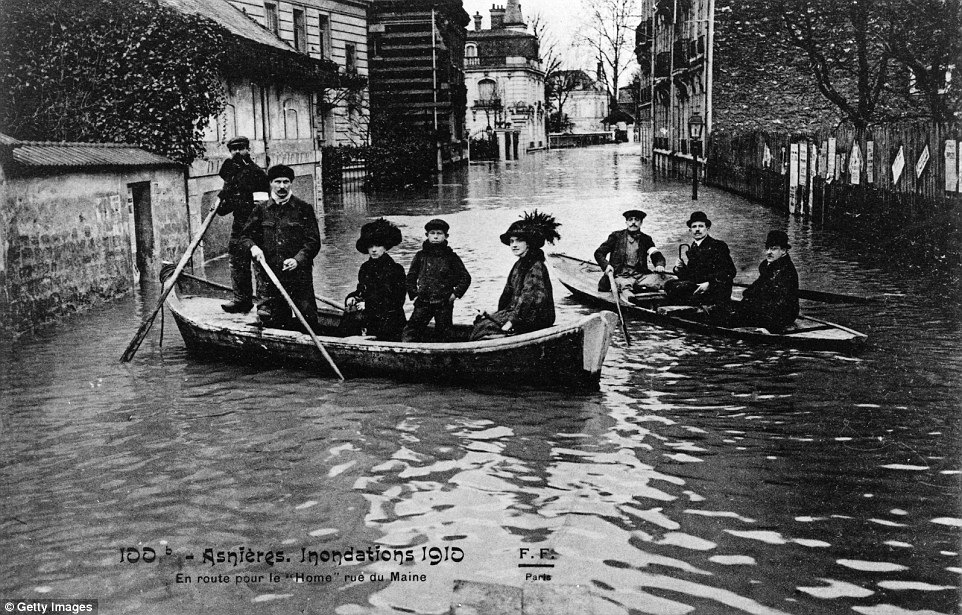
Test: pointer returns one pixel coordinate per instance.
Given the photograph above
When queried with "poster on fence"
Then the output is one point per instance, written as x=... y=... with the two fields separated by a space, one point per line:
x=767 y=157
x=793 y=179
x=830 y=170
x=803 y=163
x=922 y=162
x=855 y=165
x=870 y=162
x=951 y=166
x=897 y=166
x=823 y=159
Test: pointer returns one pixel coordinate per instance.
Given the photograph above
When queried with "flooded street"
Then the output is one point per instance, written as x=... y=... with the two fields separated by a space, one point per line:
x=706 y=476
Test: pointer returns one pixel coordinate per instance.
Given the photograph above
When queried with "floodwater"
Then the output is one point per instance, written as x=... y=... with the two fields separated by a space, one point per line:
x=706 y=476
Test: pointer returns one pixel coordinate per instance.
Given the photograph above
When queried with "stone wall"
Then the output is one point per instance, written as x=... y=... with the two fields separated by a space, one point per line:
x=66 y=240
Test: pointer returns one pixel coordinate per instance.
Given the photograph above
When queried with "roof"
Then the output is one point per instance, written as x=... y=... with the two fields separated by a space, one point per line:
x=499 y=33
x=236 y=21
x=65 y=154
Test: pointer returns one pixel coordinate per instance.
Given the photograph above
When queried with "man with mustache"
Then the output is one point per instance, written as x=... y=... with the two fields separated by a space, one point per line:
x=626 y=253
x=706 y=280
x=244 y=183
x=284 y=230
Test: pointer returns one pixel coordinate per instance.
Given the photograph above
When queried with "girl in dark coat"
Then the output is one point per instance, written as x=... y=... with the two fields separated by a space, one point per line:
x=527 y=302
x=378 y=303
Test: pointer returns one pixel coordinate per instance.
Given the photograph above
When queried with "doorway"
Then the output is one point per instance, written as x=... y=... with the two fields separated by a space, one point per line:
x=143 y=229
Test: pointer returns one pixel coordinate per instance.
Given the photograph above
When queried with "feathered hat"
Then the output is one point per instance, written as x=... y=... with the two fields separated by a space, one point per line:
x=378 y=233
x=535 y=228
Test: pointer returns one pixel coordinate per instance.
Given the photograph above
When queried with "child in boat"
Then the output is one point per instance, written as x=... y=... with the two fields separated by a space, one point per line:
x=527 y=302
x=377 y=305
x=436 y=279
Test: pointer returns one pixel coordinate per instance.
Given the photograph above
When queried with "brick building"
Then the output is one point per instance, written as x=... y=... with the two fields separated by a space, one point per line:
x=417 y=70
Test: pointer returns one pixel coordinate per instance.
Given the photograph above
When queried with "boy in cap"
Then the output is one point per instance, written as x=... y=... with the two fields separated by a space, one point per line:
x=284 y=230
x=771 y=301
x=706 y=279
x=436 y=279
x=244 y=183
x=378 y=303
x=627 y=253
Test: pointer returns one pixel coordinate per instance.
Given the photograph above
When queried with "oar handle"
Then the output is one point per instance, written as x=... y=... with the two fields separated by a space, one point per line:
x=615 y=296
x=300 y=317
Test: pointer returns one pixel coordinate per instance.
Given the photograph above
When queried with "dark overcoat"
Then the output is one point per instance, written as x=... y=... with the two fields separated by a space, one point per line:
x=381 y=285
x=242 y=178
x=710 y=262
x=527 y=300
x=771 y=301
x=436 y=273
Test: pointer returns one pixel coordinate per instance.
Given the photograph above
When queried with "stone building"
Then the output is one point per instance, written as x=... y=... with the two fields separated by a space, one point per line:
x=82 y=223
x=694 y=58
x=417 y=70
x=504 y=78
x=586 y=103
x=273 y=91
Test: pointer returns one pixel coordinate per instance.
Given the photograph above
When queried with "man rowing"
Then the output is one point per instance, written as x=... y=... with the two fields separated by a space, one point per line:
x=626 y=253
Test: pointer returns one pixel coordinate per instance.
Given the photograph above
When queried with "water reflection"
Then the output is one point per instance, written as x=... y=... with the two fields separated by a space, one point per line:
x=707 y=475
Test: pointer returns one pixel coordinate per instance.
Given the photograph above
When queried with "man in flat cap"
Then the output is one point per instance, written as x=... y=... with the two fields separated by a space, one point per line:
x=626 y=253
x=284 y=230
x=706 y=280
x=244 y=182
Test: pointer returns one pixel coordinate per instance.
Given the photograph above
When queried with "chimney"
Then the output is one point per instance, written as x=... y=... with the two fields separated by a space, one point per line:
x=497 y=17
x=477 y=22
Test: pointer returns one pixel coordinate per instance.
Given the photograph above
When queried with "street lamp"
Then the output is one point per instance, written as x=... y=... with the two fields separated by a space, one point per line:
x=696 y=126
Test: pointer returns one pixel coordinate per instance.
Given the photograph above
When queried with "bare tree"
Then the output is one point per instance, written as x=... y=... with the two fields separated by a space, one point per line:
x=609 y=32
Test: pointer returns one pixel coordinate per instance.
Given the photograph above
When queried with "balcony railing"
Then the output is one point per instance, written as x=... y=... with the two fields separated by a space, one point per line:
x=488 y=103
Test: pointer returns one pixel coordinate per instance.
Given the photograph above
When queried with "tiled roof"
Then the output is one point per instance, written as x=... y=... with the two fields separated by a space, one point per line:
x=63 y=154
x=235 y=20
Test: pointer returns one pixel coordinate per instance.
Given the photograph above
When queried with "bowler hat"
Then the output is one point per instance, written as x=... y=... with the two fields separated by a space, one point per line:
x=280 y=170
x=635 y=213
x=777 y=238
x=699 y=216
x=378 y=233
x=239 y=143
x=437 y=225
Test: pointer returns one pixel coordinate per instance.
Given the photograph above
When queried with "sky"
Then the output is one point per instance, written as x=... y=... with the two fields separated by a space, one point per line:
x=562 y=16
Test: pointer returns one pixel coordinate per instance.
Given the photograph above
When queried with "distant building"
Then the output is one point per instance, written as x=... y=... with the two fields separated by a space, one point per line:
x=273 y=90
x=586 y=103
x=504 y=78
x=417 y=70
x=81 y=223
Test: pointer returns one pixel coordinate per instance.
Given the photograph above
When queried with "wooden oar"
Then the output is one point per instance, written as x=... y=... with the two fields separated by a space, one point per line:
x=824 y=297
x=621 y=318
x=334 y=304
x=168 y=286
x=297 y=312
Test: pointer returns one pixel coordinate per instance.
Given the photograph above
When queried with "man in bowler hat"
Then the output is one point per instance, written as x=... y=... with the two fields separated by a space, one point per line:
x=706 y=280
x=244 y=182
x=771 y=301
x=626 y=254
x=284 y=230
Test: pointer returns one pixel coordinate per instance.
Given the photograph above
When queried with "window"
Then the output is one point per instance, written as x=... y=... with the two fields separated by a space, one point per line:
x=324 y=36
x=350 y=58
x=471 y=51
x=290 y=120
x=300 y=31
x=487 y=89
x=270 y=16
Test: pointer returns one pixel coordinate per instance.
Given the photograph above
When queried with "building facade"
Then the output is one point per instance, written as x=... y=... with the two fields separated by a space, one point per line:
x=273 y=93
x=417 y=72
x=82 y=223
x=504 y=78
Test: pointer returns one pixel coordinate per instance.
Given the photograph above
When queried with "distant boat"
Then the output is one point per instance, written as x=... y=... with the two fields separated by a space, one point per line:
x=566 y=356
x=581 y=278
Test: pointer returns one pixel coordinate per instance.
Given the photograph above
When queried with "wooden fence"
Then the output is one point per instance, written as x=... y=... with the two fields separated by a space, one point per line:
x=892 y=182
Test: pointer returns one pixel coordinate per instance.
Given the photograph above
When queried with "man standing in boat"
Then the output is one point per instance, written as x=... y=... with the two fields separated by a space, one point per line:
x=244 y=182
x=284 y=230
x=626 y=253
x=706 y=280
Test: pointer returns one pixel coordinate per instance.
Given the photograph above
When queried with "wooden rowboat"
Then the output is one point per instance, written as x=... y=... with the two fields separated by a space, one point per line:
x=581 y=278
x=562 y=356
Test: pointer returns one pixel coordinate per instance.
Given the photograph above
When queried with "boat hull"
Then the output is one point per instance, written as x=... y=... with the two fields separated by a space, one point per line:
x=581 y=277
x=565 y=356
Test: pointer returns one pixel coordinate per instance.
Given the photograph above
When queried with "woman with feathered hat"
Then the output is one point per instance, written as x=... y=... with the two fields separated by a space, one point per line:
x=527 y=302
x=378 y=303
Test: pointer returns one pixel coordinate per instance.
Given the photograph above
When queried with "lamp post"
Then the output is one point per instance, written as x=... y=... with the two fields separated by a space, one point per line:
x=696 y=125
